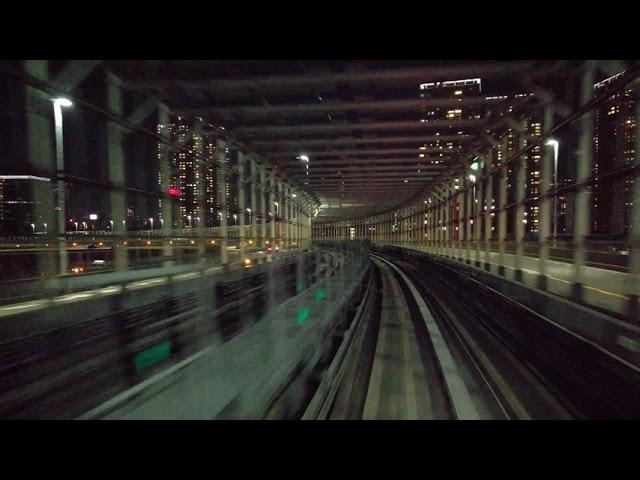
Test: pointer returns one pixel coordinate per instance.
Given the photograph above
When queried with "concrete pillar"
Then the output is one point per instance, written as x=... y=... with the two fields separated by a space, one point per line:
x=242 y=242
x=633 y=286
x=502 y=211
x=253 y=216
x=224 y=234
x=477 y=221
x=468 y=220
x=263 y=207
x=201 y=168
x=488 y=220
x=41 y=156
x=447 y=221
x=116 y=173
x=272 y=207
x=546 y=176
x=166 y=213
x=461 y=224
x=584 y=168
x=520 y=221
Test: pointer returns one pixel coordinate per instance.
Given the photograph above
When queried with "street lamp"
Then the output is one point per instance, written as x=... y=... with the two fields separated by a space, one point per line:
x=76 y=224
x=45 y=228
x=33 y=228
x=189 y=220
x=58 y=103
x=235 y=218
x=161 y=223
x=111 y=223
x=555 y=144
x=151 y=223
x=84 y=224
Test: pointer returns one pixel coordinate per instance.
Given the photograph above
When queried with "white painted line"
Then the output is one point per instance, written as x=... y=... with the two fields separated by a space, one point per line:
x=458 y=393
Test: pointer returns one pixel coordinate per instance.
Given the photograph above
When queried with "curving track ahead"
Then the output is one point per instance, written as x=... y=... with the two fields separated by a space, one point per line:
x=435 y=348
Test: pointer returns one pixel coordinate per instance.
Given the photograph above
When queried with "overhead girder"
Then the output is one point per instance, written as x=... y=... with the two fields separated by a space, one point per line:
x=417 y=139
x=404 y=104
x=341 y=127
x=410 y=75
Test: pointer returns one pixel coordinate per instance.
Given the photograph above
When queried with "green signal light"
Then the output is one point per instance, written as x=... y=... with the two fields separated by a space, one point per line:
x=320 y=294
x=303 y=314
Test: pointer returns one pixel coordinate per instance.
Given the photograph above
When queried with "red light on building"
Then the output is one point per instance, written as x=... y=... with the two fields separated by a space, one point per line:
x=174 y=192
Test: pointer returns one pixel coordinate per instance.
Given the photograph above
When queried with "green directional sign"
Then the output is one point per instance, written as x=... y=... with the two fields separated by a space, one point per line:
x=303 y=314
x=152 y=355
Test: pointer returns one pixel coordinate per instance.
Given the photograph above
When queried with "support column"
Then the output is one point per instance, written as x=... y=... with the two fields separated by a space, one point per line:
x=41 y=156
x=242 y=242
x=272 y=208
x=201 y=168
x=584 y=169
x=502 y=212
x=477 y=221
x=253 y=216
x=115 y=170
x=544 y=235
x=488 y=220
x=468 y=221
x=166 y=212
x=633 y=286
x=263 y=207
x=520 y=221
x=224 y=234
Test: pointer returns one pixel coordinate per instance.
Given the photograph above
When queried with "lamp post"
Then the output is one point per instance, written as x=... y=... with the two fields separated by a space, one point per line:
x=151 y=223
x=111 y=223
x=189 y=220
x=555 y=144
x=58 y=104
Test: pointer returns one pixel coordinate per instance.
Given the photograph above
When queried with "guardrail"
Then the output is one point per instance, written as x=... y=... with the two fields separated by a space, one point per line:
x=107 y=343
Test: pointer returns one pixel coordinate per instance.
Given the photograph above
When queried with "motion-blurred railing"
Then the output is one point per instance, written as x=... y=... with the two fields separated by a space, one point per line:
x=70 y=355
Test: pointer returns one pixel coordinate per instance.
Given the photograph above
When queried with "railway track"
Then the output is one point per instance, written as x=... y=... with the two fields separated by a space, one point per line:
x=439 y=346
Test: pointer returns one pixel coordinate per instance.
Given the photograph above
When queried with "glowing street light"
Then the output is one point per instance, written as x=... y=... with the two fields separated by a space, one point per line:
x=151 y=222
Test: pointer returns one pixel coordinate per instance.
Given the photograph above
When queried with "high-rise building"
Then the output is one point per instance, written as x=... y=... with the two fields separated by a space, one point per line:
x=531 y=130
x=194 y=172
x=614 y=143
x=454 y=89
